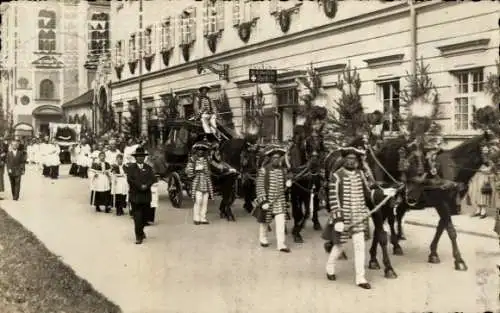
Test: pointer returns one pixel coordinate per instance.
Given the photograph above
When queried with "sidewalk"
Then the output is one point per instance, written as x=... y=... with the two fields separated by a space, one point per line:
x=464 y=223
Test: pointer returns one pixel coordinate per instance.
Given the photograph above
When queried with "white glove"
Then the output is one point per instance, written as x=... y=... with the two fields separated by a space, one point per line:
x=265 y=206
x=339 y=227
x=232 y=170
x=288 y=183
x=390 y=192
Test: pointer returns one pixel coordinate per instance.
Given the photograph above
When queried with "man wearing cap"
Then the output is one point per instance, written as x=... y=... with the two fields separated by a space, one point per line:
x=140 y=178
x=348 y=196
x=271 y=203
x=208 y=112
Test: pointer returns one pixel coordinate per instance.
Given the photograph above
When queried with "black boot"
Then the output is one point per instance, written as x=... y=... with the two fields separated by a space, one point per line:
x=297 y=237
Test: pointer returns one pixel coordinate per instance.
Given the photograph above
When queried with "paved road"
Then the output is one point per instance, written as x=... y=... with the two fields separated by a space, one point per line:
x=220 y=267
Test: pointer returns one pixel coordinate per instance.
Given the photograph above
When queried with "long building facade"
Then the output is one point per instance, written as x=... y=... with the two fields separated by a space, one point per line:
x=50 y=52
x=162 y=49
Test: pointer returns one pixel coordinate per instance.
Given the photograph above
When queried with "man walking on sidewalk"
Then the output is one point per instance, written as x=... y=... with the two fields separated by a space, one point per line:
x=4 y=147
x=140 y=178
x=15 y=167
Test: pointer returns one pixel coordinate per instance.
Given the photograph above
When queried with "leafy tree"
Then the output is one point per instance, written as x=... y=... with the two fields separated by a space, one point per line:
x=131 y=123
x=225 y=111
x=347 y=119
x=422 y=101
x=3 y=119
x=492 y=85
x=488 y=118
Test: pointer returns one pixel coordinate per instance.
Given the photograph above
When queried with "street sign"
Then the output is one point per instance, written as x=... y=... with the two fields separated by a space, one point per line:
x=263 y=76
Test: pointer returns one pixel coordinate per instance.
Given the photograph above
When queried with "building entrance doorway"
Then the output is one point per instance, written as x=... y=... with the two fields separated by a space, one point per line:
x=43 y=129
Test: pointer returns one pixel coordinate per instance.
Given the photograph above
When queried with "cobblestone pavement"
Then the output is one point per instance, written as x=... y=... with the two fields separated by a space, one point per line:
x=221 y=268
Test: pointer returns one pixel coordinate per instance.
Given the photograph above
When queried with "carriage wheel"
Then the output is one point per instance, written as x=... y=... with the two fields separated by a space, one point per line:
x=175 y=190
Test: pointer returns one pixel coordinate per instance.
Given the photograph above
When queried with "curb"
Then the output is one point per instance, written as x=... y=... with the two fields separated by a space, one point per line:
x=461 y=231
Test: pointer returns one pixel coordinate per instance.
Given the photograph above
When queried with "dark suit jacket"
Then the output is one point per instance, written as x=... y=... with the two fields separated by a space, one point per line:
x=15 y=163
x=4 y=148
x=136 y=178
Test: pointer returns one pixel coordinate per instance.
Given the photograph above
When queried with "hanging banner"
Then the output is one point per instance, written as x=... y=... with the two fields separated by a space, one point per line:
x=65 y=134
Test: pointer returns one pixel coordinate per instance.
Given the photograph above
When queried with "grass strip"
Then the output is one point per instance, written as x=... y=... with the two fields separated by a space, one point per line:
x=34 y=280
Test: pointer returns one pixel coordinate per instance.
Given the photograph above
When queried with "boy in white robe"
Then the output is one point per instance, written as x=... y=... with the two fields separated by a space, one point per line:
x=100 y=175
x=53 y=159
x=84 y=160
x=119 y=185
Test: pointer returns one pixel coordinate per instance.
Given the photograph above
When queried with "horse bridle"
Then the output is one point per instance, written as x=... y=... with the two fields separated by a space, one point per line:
x=394 y=180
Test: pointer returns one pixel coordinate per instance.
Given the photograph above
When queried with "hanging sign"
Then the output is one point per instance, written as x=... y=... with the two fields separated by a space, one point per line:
x=263 y=76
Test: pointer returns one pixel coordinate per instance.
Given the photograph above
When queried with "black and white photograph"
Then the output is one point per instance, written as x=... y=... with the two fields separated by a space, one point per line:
x=249 y=156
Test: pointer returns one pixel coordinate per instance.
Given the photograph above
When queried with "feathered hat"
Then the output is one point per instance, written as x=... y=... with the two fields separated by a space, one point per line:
x=201 y=145
x=204 y=87
x=355 y=146
x=274 y=150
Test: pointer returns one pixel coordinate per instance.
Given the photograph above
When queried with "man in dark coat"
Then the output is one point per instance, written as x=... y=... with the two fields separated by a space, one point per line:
x=16 y=162
x=140 y=178
x=4 y=147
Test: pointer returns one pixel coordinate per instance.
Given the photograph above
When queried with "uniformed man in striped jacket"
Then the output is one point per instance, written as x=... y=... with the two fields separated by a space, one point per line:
x=348 y=196
x=271 y=185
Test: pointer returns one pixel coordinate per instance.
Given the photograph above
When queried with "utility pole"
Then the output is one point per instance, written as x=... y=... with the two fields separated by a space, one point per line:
x=141 y=34
x=413 y=31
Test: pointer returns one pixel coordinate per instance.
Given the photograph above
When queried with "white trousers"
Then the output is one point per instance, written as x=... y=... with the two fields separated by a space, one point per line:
x=280 y=232
x=209 y=123
x=200 y=206
x=358 y=241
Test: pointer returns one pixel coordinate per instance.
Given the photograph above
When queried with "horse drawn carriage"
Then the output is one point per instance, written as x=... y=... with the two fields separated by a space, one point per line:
x=170 y=161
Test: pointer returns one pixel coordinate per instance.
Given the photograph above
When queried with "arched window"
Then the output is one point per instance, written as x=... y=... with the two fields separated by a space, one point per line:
x=46 y=89
x=47 y=28
x=99 y=33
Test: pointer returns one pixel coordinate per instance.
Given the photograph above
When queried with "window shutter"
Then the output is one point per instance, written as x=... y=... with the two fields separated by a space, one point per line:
x=236 y=12
x=220 y=15
x=273 y=6
x=378 y=93
x=171 y=32
x=254 y=9
x=206 y=14
x=145 y=43
x=212 y=16
x=153 y=39
x=160 y=35
x=182 y=29
x=192 y=26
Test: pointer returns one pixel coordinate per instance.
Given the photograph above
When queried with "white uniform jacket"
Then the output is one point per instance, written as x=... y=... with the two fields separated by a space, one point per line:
x=100 y=176
x=75 y=153
x=127 y=154
x=111 y=156
x=53 y=158
x=43 y=153
x=120 y=184
x=84 y=159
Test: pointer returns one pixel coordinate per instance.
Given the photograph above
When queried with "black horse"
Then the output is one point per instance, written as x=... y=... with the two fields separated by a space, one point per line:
x=304 y=159
x=457 y=165
x=444 y=186
x=241 y=154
